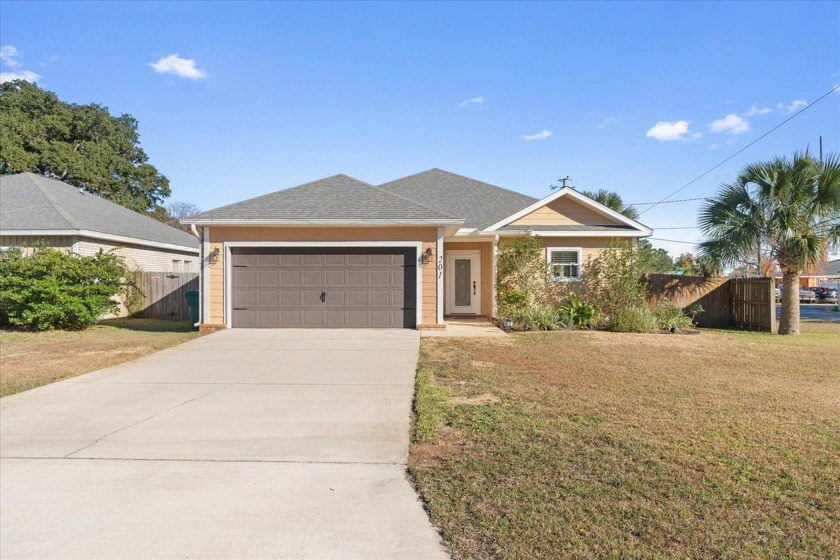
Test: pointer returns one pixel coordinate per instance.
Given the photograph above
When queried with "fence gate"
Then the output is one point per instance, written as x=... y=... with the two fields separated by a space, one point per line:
x=163 y=294
x=754 y=304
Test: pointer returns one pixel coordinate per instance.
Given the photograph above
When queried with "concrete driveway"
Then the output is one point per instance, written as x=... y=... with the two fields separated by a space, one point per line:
x=240 y=444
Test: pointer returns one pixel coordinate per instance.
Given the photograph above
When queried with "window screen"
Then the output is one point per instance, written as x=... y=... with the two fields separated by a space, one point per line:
x=565 y=264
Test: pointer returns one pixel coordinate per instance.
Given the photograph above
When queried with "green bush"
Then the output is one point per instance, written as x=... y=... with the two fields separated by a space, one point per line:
x=614 y=281
x=637 y=319
x=578 y=311
x=669 y=315
x=522 y=282
x=543 y=318
x=50 y=289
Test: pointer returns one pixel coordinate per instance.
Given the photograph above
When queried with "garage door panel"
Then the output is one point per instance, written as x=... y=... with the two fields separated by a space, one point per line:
x=311 y=297
x=361 y=287
x=357 y=297
x=267 y=277
x=335 y=278
x=380 y=298
x=357 y=277
x=313 y=277
x=313 y=260
x=245 y=277
x=290 y=278
x=313 y=318
x=290 y=298
x=267 y=298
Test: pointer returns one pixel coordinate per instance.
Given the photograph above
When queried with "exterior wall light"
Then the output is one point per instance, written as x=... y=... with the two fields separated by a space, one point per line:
x=213 y=257
x=427 y=255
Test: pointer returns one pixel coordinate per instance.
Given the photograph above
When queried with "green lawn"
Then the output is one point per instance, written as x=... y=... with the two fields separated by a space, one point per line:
x=29 y=359
x=594 y=444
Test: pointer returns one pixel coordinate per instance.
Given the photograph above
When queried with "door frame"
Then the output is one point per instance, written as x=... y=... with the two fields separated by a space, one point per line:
x=449 y=277
x=228 y=245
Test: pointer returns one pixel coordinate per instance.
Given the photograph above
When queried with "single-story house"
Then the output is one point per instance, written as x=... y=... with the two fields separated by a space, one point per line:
x=339 y=252
x=822 y=275
x=38 y=210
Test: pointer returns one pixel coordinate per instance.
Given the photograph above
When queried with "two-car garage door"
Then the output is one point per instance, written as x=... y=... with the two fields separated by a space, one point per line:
x=324 y=287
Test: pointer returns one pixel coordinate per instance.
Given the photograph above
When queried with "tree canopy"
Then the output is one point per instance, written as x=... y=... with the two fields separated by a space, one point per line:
x=790 y=206
x=613 y=201
x=83 y=145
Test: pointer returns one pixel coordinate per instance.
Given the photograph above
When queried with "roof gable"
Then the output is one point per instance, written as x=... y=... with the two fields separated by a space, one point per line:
x=336 y=199
x=567 y=207
x=31 y=202
x=479 y=203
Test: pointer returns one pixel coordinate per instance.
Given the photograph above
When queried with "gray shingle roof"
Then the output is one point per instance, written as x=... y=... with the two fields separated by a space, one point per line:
x=480 y=204
x=334 y=199
x=833 y=268
x=570 y=227
x=30 y=202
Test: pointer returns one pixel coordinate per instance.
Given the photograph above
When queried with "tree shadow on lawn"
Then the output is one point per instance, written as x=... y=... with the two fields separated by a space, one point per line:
x=147 y=325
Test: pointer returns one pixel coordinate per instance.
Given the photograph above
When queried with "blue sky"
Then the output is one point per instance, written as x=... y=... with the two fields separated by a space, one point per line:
x=639 y=98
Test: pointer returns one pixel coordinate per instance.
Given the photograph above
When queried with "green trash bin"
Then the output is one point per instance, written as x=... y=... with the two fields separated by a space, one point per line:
x=192 y=301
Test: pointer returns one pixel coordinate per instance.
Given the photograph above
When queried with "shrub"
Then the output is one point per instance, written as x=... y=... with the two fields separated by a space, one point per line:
x=50 y=289
x=522 y=282
x=638 y=319
x=668 y=315
x=543 y=318
x=613 y=280
x=578 y=311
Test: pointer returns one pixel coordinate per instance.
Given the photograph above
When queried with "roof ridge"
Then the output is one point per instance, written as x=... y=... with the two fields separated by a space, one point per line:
x=462 y=177
x=53 y=201
x=414 y=202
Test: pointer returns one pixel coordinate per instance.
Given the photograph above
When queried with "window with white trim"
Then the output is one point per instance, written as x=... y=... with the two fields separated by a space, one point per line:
x=564 y=262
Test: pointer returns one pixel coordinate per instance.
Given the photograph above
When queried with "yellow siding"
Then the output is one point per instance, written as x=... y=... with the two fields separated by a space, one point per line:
x=486 y=270
x=220 y=235
x=563 y=212
x=590 y=246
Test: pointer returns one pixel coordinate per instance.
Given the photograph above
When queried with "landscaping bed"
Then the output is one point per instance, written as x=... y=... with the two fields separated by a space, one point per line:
x=32 y=359
x=588 y=444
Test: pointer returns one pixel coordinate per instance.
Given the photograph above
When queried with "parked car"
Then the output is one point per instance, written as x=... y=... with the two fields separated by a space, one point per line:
x=806 y=296
x=825 y=295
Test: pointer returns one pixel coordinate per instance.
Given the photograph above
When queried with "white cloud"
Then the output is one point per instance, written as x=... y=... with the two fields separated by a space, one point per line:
x=538 y=136
x=27 y=75
x=755 y=111
x=8 y=56
x=666 y=131
x=183 y=67
x=730 y=124
x=472 y=101
x=793 y=107
x=607 y=122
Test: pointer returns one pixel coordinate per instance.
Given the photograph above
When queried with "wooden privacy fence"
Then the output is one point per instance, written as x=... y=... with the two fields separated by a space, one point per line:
x=162 y=294
x=744 y=303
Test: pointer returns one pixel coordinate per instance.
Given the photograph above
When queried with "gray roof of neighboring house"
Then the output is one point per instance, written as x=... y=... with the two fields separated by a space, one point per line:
x=31 y=202
x=568 y=228
x=480 y=204
x=832 y=268
x=335 y=199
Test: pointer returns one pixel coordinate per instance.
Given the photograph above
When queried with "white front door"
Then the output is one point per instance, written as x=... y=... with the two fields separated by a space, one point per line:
x=463 y=282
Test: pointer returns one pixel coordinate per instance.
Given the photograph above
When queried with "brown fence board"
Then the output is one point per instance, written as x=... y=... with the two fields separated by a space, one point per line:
x=745 y=303
x=163 y=294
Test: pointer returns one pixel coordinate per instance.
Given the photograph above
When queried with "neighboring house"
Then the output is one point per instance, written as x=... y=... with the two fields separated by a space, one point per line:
x=342 y=253
x=827 y=274
x=37 y=210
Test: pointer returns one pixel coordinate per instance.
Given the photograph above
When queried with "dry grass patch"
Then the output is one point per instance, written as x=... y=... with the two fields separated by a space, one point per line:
x=30 y=360
x=724 y=444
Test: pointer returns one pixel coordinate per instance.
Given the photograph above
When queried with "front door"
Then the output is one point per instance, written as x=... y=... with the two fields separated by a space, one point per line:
x=463 y=282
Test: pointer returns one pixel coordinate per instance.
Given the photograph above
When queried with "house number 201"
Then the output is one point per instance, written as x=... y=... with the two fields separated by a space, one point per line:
x=440 y=266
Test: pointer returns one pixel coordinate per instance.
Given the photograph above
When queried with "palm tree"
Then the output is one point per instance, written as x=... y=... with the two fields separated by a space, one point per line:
x=613 y=201
x=792 y=207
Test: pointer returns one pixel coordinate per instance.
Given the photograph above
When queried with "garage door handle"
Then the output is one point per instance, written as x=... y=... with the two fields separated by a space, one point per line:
x=323 y=297
x=240 y=309
x=473 y=287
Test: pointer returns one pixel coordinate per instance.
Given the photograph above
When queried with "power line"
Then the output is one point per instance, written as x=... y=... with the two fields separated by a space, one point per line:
x=680 y=227
x=673 y=240
x=787 y=120
x=668 y=201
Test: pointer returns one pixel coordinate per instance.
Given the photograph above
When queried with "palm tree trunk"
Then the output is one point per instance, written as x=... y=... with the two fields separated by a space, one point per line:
x=789 y=322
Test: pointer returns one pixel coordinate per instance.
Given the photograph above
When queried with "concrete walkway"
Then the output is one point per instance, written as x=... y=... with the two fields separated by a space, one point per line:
x=240 y=444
